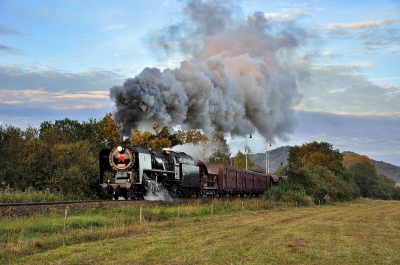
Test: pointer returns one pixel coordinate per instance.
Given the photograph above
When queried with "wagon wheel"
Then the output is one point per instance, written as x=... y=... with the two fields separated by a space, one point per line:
x=125 y=195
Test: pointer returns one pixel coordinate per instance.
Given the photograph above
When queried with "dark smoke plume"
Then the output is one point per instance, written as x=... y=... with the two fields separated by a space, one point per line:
x=233 y=81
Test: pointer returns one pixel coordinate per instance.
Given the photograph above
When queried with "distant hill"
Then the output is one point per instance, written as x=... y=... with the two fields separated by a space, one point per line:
x=386 y=169
x=278 y=158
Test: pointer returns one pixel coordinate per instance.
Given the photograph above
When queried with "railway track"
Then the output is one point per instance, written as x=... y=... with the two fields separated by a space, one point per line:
x=25 y=209
x=33 y=208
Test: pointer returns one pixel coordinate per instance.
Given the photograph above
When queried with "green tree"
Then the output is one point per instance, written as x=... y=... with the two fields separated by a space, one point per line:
x=371 y=184
x=73 y=171
x=32 y=152
x=221 y=153
x=320 y=171
x=11 y=142
x=60 y=156
x=240 y=160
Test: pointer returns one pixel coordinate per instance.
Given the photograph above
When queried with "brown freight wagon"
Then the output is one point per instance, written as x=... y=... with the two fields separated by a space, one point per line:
x=232 y=181
x=209 y=177
x=260 y=183
x=256 y=183
x=249 y=182
x=275 y=179
x=226 y=180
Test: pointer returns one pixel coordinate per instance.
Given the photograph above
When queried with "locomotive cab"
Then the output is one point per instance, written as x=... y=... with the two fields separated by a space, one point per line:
x=186 y=174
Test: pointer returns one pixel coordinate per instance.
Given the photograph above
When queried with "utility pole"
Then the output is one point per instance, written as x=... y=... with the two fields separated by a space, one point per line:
x=267 y=160
x=246 y=148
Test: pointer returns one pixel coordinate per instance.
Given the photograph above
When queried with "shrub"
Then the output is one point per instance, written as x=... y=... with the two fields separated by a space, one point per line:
x=289 y=193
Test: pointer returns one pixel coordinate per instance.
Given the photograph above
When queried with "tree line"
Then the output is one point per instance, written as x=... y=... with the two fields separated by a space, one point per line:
x=62 y=157
x=325 y=174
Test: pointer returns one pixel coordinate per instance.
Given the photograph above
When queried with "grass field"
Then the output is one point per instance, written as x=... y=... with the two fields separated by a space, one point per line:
x=359 y=232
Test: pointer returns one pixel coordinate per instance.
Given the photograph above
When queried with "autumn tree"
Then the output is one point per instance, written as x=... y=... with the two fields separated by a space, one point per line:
x=351 y=158
x=192 y=136
x=370 y=183
x=109 y=131
x=161 y=138
x=315 y=153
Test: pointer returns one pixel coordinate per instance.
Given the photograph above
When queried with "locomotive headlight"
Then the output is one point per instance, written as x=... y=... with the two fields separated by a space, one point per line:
x=108 y=181
x=119 y=148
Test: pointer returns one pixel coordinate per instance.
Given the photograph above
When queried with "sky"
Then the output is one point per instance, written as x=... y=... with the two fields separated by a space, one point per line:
x=309 y=71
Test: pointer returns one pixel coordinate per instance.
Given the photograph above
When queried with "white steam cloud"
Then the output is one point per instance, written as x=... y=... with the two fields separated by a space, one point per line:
x=200 y=150
x=233 y=83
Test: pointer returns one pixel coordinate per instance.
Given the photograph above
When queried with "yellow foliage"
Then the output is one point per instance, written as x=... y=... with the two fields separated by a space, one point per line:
x=161 y=139
x=110 y=130
x=353 y=158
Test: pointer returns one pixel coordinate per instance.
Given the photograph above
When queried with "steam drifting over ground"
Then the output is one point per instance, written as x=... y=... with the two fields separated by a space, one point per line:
x=232 y=81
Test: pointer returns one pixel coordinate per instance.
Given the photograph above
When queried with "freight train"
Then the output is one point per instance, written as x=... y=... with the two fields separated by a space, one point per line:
x=133 y=171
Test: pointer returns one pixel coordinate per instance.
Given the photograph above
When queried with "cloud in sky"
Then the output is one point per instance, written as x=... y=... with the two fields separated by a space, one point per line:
x=8 y=30
x=372 y=33
x=4 y=49
x=59 y=59
x=31 y=96
x=9 y=50
x=299 y=13
x=343 y=89
x=358 y=25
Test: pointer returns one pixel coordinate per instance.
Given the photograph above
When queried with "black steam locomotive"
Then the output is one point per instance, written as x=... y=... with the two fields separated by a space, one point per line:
x=133 y=171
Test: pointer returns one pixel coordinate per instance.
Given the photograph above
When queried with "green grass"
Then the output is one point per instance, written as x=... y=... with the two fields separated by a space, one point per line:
x=8 y=195
x=359 y=232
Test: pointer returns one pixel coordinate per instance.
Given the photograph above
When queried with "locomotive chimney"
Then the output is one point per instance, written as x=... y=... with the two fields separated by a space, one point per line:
x=126 y=142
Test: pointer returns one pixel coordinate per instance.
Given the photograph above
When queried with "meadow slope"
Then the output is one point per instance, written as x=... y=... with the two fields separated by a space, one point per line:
x=361 y=232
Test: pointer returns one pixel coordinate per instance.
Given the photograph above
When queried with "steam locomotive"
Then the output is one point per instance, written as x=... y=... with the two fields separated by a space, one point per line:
x=133 y=171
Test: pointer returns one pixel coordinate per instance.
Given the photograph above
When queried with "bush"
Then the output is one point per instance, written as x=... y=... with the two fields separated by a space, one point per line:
x=288 y=193
x=321 y=183
x=9 y=195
